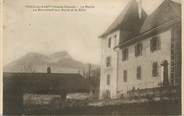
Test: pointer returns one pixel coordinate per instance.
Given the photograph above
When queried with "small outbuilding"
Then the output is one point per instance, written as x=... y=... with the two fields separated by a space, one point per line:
x=16 y=85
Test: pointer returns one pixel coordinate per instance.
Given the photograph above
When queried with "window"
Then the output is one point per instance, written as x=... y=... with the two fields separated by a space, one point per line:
x=108 y=79
x=155 y=69
x=109 y=43
x=125 y=54
x=106 y=94
x=138 y=49
x=172 y=79
x=155 y=43
x=115 y=40
x=108 y=61
x=125 y=76
x=139 y=73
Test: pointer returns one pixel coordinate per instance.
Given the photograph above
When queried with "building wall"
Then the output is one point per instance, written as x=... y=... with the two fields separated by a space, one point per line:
x=111 y=70
x=176 y=37
x=145 y=61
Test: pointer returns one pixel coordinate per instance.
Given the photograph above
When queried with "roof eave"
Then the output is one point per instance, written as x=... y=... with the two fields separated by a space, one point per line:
x=108 y=33
x=176 y=20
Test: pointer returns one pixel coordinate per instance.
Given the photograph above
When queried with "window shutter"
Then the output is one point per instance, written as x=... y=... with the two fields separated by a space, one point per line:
x=152 y=45
x=127 y=53
x=125 y=76
x=141 y=47
x=139 y=73
x=158 y=43
x=108 y=79
x=155 y=43
x=109 y=43
x=155 y=69
x=136 y=50
x=108 y=61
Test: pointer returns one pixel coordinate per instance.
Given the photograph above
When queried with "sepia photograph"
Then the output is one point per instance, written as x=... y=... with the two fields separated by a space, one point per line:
x=105 y=58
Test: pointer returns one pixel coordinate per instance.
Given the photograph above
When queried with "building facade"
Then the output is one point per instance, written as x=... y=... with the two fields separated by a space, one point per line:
x=140 y=51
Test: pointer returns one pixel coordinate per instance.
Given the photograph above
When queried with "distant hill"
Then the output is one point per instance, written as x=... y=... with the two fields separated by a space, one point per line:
x=35 y=62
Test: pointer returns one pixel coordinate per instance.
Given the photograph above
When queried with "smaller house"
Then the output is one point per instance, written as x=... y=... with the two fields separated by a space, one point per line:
x=18 y=85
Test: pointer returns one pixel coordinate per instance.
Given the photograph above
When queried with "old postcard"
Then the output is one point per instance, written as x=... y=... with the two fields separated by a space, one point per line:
x=68 y=57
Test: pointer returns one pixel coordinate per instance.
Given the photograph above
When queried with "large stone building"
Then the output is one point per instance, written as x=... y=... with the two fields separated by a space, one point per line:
x=141 y=51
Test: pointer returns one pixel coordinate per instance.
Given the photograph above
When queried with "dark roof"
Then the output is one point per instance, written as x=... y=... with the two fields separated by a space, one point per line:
x=46 y=83
x=167 y=11
x=128 y=20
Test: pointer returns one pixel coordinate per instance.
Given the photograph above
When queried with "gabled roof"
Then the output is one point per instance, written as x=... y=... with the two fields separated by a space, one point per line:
x=167 y=11
x=166 y=15
x=46 y=82
x=128 y=19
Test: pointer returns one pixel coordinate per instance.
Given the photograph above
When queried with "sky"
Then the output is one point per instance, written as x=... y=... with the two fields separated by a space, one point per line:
x=47 y=32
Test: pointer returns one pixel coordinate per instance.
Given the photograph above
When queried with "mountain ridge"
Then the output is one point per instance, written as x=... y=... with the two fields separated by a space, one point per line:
x=59 y=62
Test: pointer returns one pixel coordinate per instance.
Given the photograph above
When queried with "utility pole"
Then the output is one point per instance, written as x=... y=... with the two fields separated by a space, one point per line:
x=89 y=72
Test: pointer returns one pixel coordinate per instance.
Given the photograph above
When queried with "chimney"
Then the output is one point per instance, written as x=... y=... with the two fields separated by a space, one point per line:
x=48 y=70
x=139 y=8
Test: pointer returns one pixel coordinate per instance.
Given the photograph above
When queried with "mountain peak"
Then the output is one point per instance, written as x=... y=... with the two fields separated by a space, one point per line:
x=60 y=55
x=60 y=62
x=32 y=61
x=33 y=54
